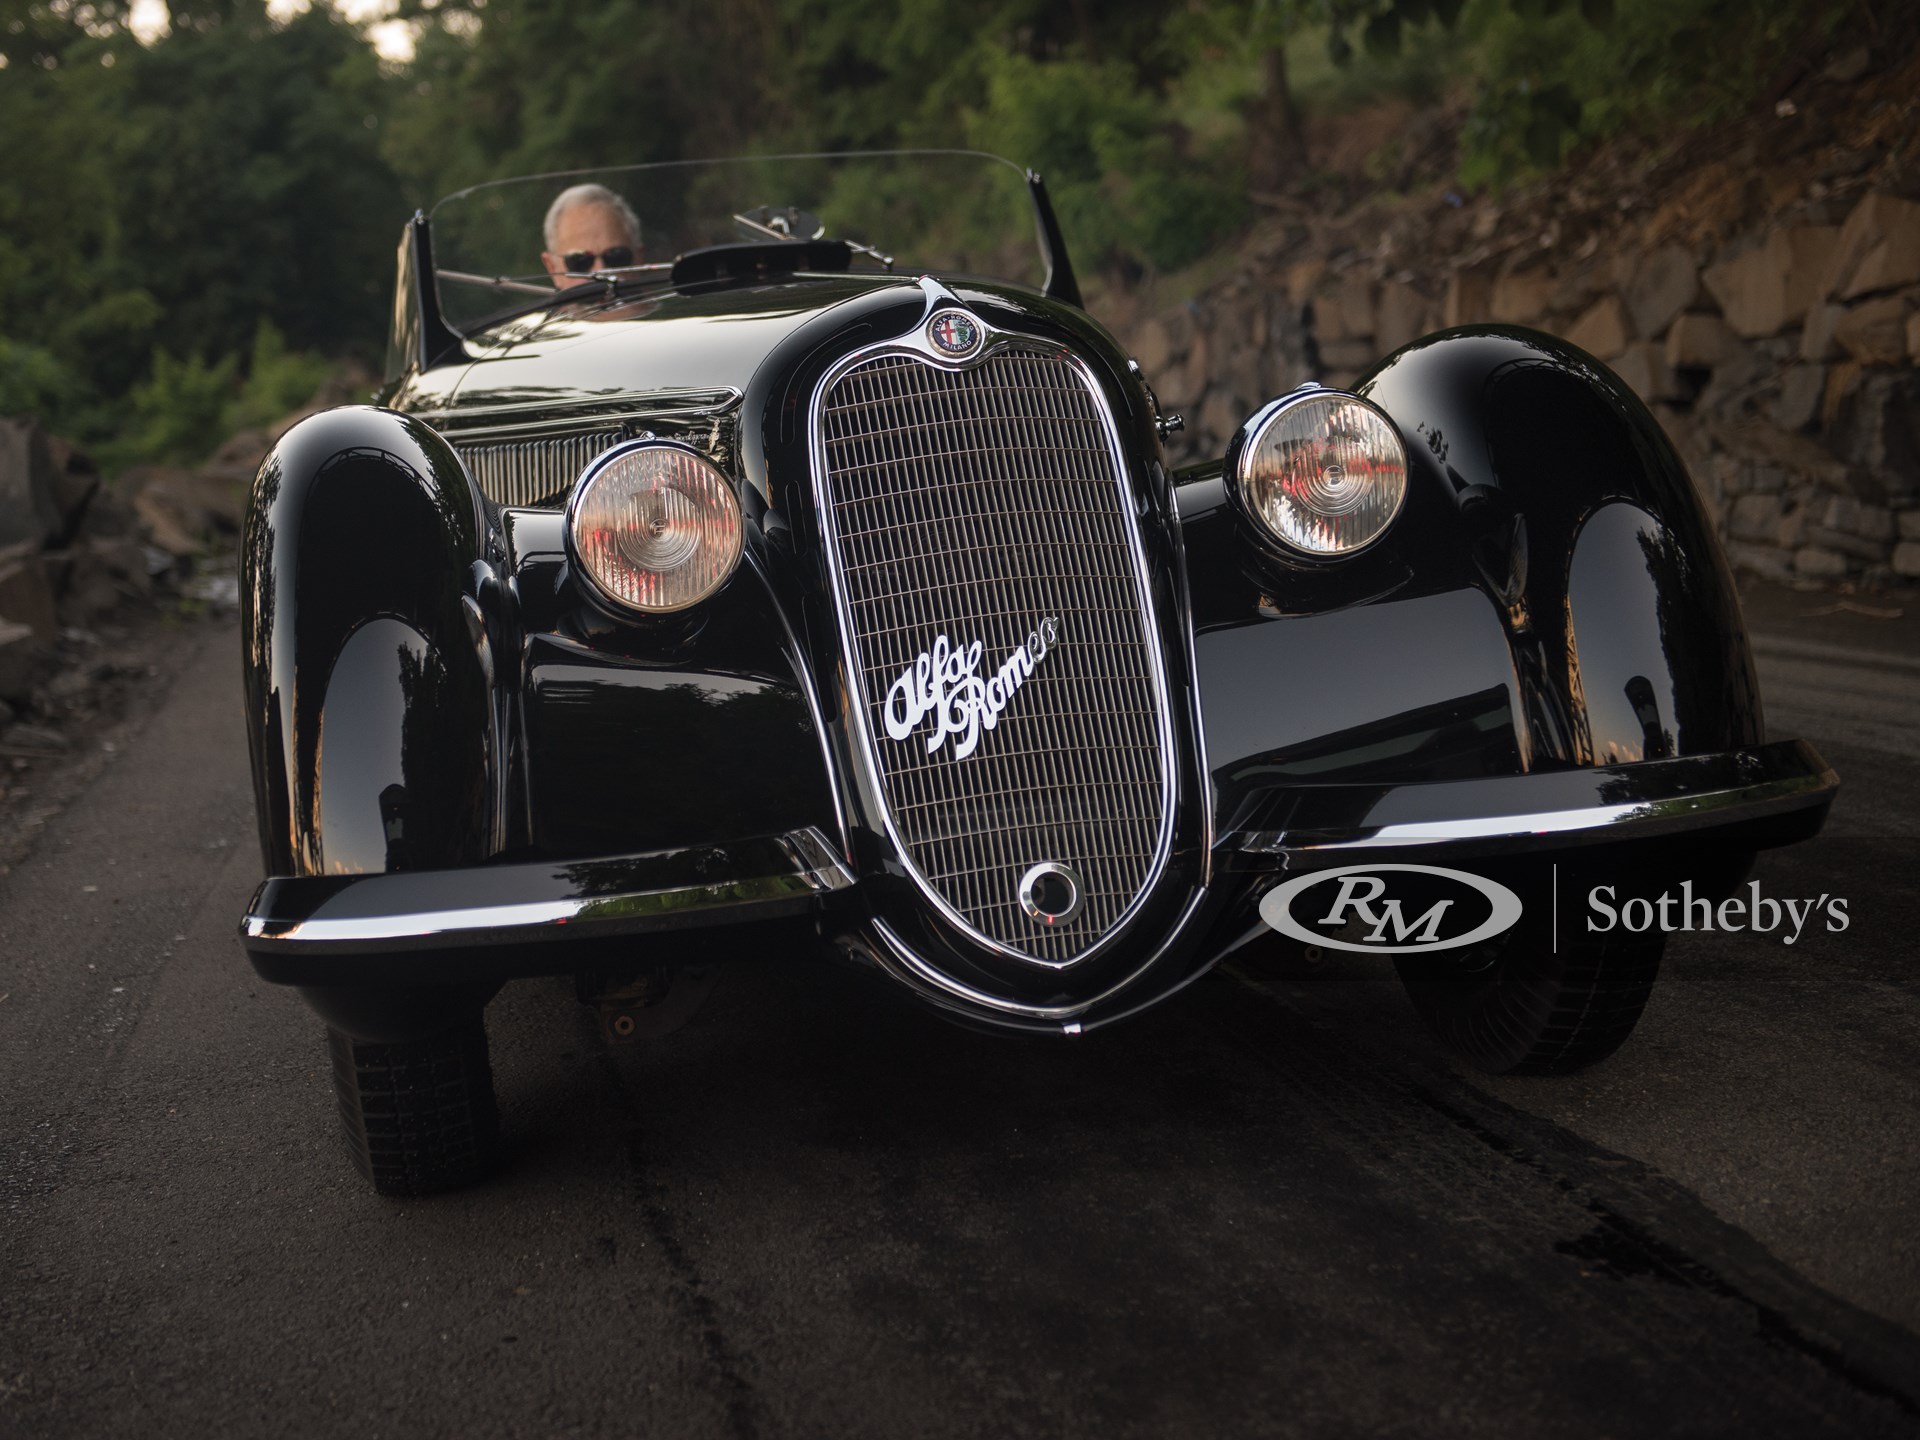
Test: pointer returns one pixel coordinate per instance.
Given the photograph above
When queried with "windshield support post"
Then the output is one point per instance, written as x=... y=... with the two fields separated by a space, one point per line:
x=430 y=338
x=1059 y=284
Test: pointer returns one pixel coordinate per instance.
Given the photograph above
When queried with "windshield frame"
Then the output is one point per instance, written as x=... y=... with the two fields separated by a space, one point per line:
x=1058 y=279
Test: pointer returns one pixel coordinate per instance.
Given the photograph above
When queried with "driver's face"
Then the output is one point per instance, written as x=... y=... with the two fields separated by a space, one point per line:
x=590 y=228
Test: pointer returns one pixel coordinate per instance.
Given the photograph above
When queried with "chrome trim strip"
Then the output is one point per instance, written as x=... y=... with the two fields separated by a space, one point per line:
x=527 y=417
x=803 y=675
x=1674 y=813
x=913 y=343
x=1206 y=797
x=903 y=954
x=826 y=870
x=816 y=870
x=489 y=917
x=535 y=430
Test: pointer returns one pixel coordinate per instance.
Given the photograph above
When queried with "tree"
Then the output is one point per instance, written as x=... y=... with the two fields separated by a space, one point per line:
x=173 y=195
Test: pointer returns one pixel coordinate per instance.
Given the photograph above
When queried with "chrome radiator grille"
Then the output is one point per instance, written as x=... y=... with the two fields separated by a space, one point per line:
x=532 y=472
x=974 y=504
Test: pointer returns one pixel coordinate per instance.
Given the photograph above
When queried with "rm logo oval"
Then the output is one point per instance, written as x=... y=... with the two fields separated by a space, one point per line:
x=1390 y=909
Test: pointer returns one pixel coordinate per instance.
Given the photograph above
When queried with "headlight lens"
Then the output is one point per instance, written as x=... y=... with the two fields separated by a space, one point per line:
x=655 y=526
x=1325 y=473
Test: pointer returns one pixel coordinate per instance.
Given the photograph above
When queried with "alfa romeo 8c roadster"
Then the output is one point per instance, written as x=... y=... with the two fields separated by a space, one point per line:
x=729 y=567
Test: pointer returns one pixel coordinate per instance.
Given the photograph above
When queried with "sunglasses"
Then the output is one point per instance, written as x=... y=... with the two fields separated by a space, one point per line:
x=613 y=257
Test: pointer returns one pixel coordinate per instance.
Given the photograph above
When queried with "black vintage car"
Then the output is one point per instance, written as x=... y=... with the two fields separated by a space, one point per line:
x=780 y=595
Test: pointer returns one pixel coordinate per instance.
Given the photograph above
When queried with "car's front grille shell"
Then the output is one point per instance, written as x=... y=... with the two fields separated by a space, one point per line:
x=974 y=503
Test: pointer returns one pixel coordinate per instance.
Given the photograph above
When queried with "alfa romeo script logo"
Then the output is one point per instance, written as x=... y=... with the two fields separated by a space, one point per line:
x=944 y=683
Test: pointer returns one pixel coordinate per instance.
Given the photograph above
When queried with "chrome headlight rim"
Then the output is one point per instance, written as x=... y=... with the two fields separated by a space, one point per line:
x=1246 y=442
x=597 y=591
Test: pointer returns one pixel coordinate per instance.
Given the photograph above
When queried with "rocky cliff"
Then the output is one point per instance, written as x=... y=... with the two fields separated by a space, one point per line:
x=1759 y=288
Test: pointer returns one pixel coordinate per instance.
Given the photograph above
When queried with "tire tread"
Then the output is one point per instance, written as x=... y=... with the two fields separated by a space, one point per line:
x=419 y=1116
x=1537 y=1013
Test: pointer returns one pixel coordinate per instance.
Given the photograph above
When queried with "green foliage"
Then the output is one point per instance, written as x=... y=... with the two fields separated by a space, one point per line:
x=233 y=189
x=173 y=195
x=32 y=381
x=1431 y=59
x=250 y=145
x=279 y=381
x=183 y=409
x=1118 y=178
x=1554 y=75
x=1077 y=91
x=175 y=413
x=1519 y=126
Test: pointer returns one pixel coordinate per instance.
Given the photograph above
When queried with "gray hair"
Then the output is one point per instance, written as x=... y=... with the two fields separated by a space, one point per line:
x=589 y=195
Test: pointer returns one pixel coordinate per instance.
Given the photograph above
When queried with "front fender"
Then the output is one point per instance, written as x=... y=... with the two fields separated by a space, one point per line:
x=1587 y=532
x=371 y=715
x=1551 y=597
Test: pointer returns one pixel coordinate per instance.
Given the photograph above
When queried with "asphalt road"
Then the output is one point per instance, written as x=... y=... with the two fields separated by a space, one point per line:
x=1269 y=1208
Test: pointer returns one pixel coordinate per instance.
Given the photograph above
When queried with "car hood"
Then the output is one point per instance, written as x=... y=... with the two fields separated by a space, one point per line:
x=680 y=342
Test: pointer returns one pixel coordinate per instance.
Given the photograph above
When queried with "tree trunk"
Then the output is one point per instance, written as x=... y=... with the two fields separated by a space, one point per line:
x=1277 y=148
x=1085 y=30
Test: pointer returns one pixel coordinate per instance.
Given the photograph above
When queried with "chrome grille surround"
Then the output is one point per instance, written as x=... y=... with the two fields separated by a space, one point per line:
x=928 y=530
x=532 y=472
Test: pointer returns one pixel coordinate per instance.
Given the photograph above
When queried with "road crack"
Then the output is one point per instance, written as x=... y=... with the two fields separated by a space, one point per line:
x=689 y=1289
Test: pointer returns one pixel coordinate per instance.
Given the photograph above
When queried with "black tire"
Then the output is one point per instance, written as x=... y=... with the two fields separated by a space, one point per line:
x=1532 y=1012
x=419 y=1115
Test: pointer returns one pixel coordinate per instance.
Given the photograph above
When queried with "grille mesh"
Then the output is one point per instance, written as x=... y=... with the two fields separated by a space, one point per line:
x=973 y=504
x=533 y=472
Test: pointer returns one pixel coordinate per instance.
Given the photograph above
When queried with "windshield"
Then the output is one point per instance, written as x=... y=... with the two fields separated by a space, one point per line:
x=501 y=246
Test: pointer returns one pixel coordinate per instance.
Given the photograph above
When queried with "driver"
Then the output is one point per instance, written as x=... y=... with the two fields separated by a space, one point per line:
x=589 y=228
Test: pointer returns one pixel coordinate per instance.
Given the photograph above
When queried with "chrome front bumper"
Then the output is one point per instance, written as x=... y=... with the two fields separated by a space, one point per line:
x=318 y=930
x=538 y=903
x=1764 y=796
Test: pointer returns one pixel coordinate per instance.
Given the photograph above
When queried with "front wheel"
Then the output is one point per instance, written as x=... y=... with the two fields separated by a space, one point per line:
x=419 y=1115
x=1535 y=1012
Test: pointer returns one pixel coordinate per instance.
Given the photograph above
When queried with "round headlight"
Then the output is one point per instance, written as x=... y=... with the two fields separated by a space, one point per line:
x=655 y=525
x=1324 y=472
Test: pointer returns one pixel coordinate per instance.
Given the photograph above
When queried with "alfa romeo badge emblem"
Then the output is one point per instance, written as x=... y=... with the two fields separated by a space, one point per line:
x=954 y=333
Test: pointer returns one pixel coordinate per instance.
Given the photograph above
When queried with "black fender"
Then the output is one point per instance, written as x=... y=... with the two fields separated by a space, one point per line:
x=1589 y=534
x=373 y=717
x=1552 y=595
x=639 y=737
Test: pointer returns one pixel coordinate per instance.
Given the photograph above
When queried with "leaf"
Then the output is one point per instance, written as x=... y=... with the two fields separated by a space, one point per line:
x=1447 y=12
x=1597 y=13
x=1414 y=12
